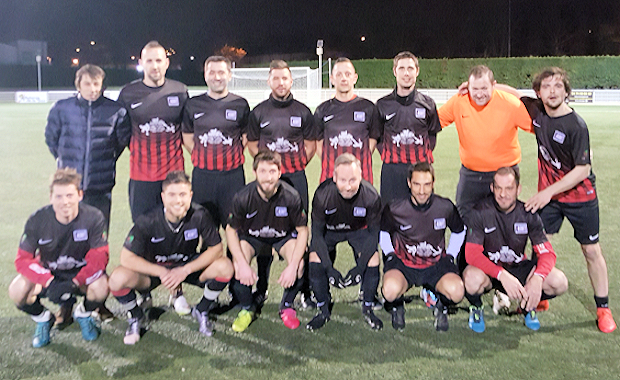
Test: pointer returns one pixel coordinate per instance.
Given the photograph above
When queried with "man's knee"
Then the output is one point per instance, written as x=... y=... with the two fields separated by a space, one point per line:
x=98 y=290
x=20 y=289
x=451 y=286
x=394 y=285
x=120 y=278
x=556 y=283
x=474 y=280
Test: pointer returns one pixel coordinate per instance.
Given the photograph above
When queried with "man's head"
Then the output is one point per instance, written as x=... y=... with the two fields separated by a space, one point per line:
x=218 y=73
x=280 y=79
x=506 y=188
x=344 y=76
x=421 y=182
x=176 y=195
x=347 y=175
x=154 y=62
x=481 y=84
x=552 y=87
x=65 y=194
x=267 y=169
x=89 y=82
x=406 y=70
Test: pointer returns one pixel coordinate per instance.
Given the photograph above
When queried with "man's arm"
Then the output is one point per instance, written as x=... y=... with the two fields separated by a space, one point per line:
x=289 y=274
x=188 y=141
x=252 y=148
x=243 y=271
x=139 y=264
x=176 y=276
x=122 y=131
x=52 y=130
x=310 y=148
x=372 y=144
x=570 y=180
x=96 y=262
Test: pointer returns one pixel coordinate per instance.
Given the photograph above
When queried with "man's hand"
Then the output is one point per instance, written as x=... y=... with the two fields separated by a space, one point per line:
x=354 y=276
x=538 y=201
x=533 y=288
x=245 y=274
x=288 y=276
x=175 y=276
x=335 y=278
x=512 y=286
x=463 y=88
x=60 y=290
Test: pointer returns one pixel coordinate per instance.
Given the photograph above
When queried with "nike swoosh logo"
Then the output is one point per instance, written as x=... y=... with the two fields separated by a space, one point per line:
x=388 y=117
x=329 y=212
x=489 y=230
x=591 y=237
x=328 y=118
x=405 y=228
x=250 y=216
x=136 y=105
x=43 y=242
x=157 y=240
x=198 y=115
x=263 y=125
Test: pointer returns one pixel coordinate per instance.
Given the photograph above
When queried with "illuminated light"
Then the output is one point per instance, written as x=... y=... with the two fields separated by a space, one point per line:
x=133 y=57
x=92 y=43
x=75 y=61
x=363 y=38
x=77 y=50
x=139 y=68
x=191 y=57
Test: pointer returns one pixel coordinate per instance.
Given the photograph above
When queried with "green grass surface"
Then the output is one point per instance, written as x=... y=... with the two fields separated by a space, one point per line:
x=568 y=346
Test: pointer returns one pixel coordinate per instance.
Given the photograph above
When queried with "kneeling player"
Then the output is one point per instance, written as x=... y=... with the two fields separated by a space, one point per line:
x=413 y=240
x=176 y=243
x=495 y=252
x=266 y=214
x=345 y=208
x=63 y=253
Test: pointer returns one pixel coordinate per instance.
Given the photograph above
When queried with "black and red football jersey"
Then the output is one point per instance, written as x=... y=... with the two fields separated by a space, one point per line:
x=409 y=127
x=346 y=128
x=156 y=114
x=282 y=126
x=218 y=126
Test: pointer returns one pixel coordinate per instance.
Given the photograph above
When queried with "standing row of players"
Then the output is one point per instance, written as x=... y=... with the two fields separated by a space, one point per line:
x=216 y=125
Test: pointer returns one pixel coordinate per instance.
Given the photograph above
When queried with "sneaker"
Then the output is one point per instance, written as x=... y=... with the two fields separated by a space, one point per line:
x=543 y=305
x=370 y=317
x=604 y=320
x=377 y=303
x=398 y=317
x=289 y=318
x=243 y=320
x=501 y=303
x=132 y=334
x=205 y=325
x=145 y=301
x=90 y=330
x=64 y=316
x=307 y=301
x=531 y=321
x=42 y=333
x=180 y=304
x=476 y=319
x=318 y=321
x=441 y=317
x=428 y=297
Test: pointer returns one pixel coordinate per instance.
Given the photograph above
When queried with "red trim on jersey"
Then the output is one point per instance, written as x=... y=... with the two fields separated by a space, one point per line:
x=30 y=267
x=223 y=279
x=121 y=292
x=474 y=255
x=96 y=262
x=546 y=258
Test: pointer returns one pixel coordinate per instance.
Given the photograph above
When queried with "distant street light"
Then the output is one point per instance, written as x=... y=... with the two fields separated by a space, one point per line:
x=319 y=52
x=191 y=57
x=75 y=62
x=38 y=58
x=92 y=43
x=363 y=38
x=77 y=50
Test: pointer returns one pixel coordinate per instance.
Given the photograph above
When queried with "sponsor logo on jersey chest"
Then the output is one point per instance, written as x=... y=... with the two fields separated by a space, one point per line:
x=439 y=223
x=296 y=121
x=520 y=228
x=173 y=101
x=80 y=235
x=191 y=234
x=420 y=113
x=281 y=211
x=559 y=137
x=359 y=212
x=359 y=116
x=231 y=115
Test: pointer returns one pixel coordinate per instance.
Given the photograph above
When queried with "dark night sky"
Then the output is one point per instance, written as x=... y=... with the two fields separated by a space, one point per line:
x=432 y=28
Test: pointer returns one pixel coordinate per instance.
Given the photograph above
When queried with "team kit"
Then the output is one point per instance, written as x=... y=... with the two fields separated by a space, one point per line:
x=175 y=240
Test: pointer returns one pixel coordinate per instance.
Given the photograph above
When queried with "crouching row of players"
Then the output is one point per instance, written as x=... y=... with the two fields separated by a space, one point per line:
x=64 y=250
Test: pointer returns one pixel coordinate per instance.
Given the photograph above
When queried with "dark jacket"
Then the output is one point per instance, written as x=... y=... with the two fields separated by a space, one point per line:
x=89 y=137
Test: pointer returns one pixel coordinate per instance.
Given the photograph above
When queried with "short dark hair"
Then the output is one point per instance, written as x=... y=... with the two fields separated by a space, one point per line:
x=267 y=156
x=278 y=64
x=480 y=70
x=218 y=58
x=66 y=176
x=422 y=167
x=507 y=170
x=341 y=60
x=550 y=72
x=405 y=55
x=92 y=71
x=175 y=177
x=347 y=159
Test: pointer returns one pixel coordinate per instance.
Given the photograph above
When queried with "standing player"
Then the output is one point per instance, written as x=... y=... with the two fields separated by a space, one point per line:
x=267 y=214
x=170 y=245
x=413 y=241
x=497 y=236
x=409 y=128
x=214 y=127
x=345 y=208
x=346 y=123
x=63 y=253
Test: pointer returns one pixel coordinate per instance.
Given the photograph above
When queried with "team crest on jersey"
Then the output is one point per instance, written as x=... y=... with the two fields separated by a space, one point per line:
x=215 y=137
x=359 y=116
x=345 y=139
x=173 y=101
x=559 y=137
x=406 y=137
x=281 y=211
x=420 y=113
x=191 y=234
x=231 y=115
x=439 y=223
x=520 y=228
x=296 y=121
x=80 y=235
x=359 y=212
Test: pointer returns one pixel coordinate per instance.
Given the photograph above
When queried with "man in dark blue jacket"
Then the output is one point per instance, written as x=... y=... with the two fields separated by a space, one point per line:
x=88 y=132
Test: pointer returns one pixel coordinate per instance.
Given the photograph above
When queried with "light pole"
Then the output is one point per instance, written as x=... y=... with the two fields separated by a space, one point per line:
x=319 y=52
x=38 y=58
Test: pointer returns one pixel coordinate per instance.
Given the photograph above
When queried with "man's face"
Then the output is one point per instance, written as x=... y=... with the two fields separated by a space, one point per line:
x=155 y=63
x=406 y=73
x=421 y=185
x=90 y=88
x=267 y=177
x=344 y=77
x=217 y=76
x=505 y=191
x=552 y=92
x=280 y=82
x=177 y=199
x=348 y=178
x=480 y=89
x=65 y=200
